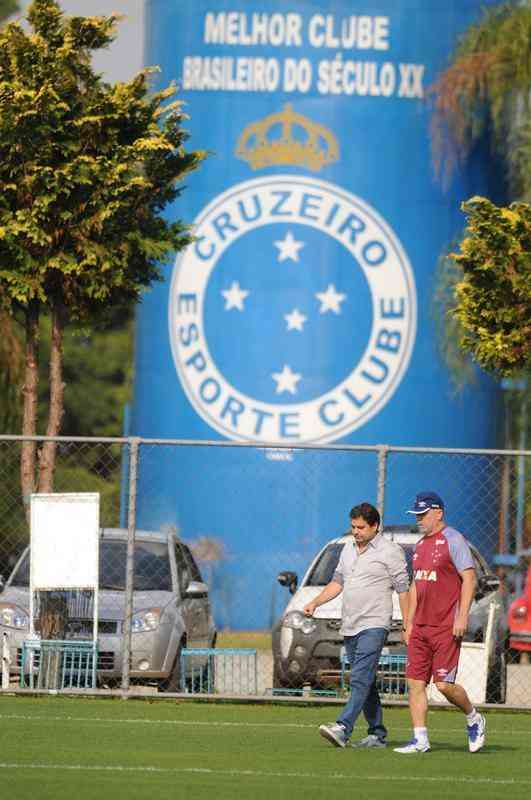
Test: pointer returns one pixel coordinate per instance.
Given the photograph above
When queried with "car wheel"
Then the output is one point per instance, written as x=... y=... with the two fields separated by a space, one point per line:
x=280 y=684
x=173 y=682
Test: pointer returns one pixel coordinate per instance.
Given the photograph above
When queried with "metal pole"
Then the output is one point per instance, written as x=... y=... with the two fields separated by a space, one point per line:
x=520 y=494
x=129 y=572
x=124 y=468
x=521 y=479
x=6 y=660
x=96 y=611
x=215 y=443
x=383 y=450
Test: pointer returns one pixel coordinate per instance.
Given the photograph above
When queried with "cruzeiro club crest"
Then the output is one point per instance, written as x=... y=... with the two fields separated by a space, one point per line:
x=292 y=316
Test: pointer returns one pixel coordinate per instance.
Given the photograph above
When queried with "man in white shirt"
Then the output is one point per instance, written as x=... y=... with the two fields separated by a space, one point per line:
x=369 y=570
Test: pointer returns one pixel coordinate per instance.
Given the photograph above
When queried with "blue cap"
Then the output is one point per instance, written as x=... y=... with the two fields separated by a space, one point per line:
x=424 y=501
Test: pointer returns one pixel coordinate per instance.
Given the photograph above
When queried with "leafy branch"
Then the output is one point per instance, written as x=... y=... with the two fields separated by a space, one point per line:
x=486 y=90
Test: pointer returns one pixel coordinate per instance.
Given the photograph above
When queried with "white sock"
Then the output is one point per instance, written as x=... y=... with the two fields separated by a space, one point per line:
x=421 y=735
x=472 y=717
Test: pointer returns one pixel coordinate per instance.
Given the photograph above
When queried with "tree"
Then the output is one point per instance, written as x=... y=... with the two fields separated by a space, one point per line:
x=494 y=296
x=86 y=170
x=486 y=90
x=10 y=351
x=97 y=364
x=485 y=93
x=11 y=370
x=7 y=7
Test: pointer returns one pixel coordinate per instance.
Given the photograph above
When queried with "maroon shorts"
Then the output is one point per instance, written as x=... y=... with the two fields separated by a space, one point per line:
x=432 y=651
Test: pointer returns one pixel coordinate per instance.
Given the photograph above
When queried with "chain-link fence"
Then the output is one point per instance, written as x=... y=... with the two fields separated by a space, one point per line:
x=210 y=550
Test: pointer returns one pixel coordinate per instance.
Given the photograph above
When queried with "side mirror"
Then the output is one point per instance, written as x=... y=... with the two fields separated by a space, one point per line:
x=196 y=589
x=288 y=579
x=487 y=583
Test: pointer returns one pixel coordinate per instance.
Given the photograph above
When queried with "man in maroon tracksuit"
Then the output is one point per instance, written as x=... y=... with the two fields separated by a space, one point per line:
x=442 y=590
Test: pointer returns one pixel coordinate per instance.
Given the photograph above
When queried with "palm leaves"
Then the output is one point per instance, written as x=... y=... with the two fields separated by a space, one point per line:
x=486 y=89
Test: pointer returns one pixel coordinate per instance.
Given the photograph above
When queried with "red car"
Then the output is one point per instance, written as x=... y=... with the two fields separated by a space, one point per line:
x=520 y=619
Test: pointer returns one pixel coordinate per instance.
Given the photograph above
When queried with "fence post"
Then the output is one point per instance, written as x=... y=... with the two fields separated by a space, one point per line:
x=383 y=450
x=124 y=470
x=129 y=570
x=6 y=660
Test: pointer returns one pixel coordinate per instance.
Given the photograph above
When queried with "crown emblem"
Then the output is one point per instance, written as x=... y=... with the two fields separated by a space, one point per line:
x=287 y=138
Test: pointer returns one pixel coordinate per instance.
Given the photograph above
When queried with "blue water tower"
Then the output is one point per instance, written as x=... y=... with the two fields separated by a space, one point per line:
x=302 y=313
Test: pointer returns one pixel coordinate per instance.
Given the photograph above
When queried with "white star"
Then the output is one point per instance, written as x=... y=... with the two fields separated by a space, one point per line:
x=330 y=299
x=286 y=380
x=234 y=296
x=288 y=248
x=295 y=320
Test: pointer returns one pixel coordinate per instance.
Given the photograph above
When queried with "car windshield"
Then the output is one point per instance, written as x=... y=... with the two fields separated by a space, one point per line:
x=151 y=567
x=323 y=571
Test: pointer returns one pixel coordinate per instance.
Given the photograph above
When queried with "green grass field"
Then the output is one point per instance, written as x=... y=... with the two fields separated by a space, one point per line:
x=80 y=749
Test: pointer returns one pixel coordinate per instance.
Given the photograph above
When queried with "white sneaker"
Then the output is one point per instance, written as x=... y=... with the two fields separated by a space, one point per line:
x=370 y=741
x=334 y=733
x=476 y=734
x=414 y=746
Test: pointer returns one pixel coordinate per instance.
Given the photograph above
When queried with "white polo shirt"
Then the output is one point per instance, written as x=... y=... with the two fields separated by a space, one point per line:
x=368 y=580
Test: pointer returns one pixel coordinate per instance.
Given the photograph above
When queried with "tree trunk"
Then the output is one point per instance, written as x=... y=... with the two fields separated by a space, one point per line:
x=12 y=360
x=29 y=392
x=56 y=407
x=53 y=616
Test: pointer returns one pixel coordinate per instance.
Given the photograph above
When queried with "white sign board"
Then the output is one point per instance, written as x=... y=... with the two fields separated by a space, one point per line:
x=471 y=674
x=473 y=668
x=64 y=541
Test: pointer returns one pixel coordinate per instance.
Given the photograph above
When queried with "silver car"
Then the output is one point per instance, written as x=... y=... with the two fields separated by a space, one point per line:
x=171 y=609
x=307 y=650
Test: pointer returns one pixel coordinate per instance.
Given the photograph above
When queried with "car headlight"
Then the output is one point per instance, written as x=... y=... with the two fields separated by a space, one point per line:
x=147 y=620
x=299 y=622
x=520 y=612
x=14 y=617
